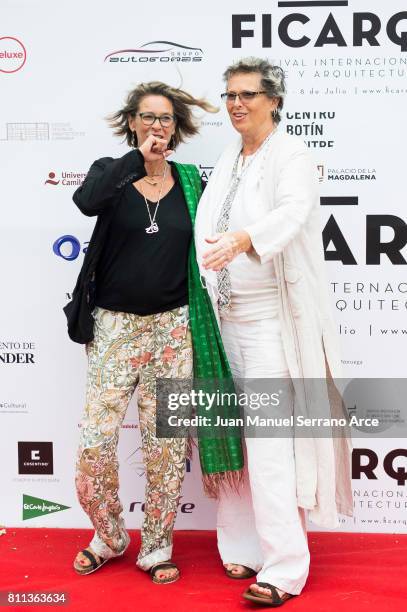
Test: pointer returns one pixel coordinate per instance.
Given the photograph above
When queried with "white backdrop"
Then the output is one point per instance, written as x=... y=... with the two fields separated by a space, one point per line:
x=65 y=66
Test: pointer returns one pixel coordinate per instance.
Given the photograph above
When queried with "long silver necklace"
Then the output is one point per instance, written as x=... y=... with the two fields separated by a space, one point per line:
x=222 y=225
x=223 y=220
x=153 y=227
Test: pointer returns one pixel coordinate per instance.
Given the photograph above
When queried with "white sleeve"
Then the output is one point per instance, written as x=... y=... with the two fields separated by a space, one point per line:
x=296 y=193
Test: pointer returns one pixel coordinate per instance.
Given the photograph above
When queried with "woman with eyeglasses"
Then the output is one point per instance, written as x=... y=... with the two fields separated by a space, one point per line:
x=131 y=308
x=259 y=248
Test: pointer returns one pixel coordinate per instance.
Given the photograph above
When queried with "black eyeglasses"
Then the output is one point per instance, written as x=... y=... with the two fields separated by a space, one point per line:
x=149 y=119
x=244 y=96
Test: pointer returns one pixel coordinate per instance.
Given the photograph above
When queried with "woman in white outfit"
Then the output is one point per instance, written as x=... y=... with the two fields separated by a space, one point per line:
x=259 y=246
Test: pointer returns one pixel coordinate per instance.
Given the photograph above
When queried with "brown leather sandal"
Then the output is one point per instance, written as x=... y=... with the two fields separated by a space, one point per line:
x=274 y=600
x=247 y=573
x=164 y=565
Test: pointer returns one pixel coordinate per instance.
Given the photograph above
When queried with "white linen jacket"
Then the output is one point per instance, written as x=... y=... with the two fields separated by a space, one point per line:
x=284 y=176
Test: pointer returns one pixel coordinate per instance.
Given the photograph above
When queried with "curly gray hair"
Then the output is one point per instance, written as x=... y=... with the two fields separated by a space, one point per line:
x=272 y=78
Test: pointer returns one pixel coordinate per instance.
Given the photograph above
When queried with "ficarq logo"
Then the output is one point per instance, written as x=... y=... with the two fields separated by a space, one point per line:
x=344 y=29
x=34 y=506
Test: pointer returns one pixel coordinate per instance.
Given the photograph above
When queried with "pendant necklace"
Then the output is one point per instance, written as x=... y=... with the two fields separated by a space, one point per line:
x=153 y=227
x=151 y=180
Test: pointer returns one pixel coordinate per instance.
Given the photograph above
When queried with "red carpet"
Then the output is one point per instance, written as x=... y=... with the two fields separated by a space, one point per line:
x=352 y=572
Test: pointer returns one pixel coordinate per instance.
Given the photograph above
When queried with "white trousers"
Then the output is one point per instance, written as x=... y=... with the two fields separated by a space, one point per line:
x=261 y=526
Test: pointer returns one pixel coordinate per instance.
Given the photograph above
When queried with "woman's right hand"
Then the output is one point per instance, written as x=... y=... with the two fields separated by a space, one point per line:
x=154 y=148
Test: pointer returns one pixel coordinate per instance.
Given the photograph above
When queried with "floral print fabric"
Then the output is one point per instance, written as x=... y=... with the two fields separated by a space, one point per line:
x=130 y=351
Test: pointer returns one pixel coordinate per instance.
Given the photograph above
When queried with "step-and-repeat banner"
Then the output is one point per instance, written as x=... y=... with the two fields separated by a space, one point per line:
x=64 y=66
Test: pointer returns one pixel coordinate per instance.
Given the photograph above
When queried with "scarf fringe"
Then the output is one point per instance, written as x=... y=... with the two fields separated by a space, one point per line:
x=190 y=447
x=213 y=484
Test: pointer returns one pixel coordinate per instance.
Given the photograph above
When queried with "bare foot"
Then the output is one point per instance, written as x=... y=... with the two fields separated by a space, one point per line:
x=165 y=573
x=255 y=588
x=235 y=568
x=83 y=562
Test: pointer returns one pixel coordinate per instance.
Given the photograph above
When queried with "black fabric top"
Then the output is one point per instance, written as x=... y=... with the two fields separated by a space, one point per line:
x=145 y=273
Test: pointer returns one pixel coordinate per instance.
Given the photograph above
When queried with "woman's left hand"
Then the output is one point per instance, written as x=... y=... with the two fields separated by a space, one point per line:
x=227 y=246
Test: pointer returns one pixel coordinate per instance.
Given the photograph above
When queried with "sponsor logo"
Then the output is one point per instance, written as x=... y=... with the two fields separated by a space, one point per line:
x=344 y=29
x=27 y=131
x=345 y=174
x=35 y=458
x=205 y=172
x=321 y=172
x=312 y=126
x=351 y=174
x=40 y=131
x=16 y=352
x=13 y=408
x=211 y=123
x=68 y=247
x=35 y=506
x=156 y=51
x=135 y=460
x=356 y=362
x=12 y=54
x=66 y=179
x=51 y=179
x=185 y=508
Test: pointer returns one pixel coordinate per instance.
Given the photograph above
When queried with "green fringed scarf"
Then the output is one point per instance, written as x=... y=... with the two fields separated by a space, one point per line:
x=220 y=451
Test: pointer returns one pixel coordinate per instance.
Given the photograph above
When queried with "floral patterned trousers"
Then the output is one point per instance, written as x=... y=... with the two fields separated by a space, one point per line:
x=130 y=351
